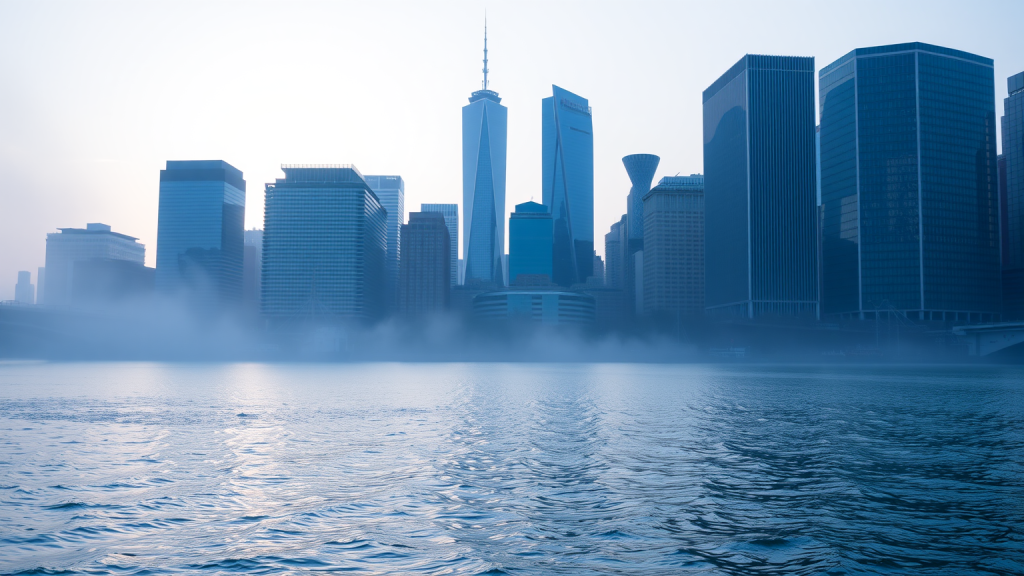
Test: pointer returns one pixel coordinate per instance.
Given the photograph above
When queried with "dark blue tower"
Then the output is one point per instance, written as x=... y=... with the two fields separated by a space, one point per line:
x=908 y=184
x=760 y=189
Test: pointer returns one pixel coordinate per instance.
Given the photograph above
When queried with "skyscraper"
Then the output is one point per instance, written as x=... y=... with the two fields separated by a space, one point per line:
x=69 y=251
x=529 y=244
x=252 y=269
x=324 y=246
x=451 y=220
x=674 y=248
x=199 y=233
x=568 y=183
x=641 y=169
x=425 y=276
x=908 y=184
x=1013 y=185
x=390 y=190
x=24 y=291
x=484 y=139
x=760 y=189
x=613 y=251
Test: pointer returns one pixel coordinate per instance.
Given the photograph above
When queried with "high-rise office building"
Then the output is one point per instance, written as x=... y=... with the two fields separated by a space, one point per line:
x=641 y=169
x=199 y=233
x=484 y=140
x=425 y=276
x=390 y=190
x=24 y=291
x=759 y=174
x=252 y=269
x=71 y=249
x=673 y=284
x=908 y=184
x=598 y=270
x=529 y=244
x=568 y=183
x=40 y=284
x=613 y=251
x=324 y=246
x=1012 y=198
x=451 y=220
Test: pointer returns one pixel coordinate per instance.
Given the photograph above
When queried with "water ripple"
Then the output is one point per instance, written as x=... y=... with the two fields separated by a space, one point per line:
x=510 y=469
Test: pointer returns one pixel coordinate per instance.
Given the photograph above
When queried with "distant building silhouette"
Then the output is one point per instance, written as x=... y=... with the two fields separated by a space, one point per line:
x=390 y=190
x=759 y=170
x=484 y=141
x=40 y=283
x=613 y=255
x=451 y=220
x=199 y=233
x=598 y=269
x=909 y=184
x=252 y=269
x=24 y=291
x=529 y=242
x=1012 y=198
x=75 y=252
x=568 y=183
x=674 y=248
x=425 y=276
x=324 y=247
x=641 y=169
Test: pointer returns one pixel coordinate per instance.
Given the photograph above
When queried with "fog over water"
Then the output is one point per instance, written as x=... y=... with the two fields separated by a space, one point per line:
x=131 y=468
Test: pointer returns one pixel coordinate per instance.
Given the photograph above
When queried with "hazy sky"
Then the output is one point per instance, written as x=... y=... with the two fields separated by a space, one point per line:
x=96 y=96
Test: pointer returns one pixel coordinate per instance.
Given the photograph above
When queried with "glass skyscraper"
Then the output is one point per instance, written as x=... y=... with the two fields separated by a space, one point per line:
x=908 y=184
x=199 y=233
x=613 y=255
x=451 y=220
x=324 y=246
x=390 y=190
x=760 y=188
x=529 y=243
x=568 y=183
x=484 y=139
x=1012 y=183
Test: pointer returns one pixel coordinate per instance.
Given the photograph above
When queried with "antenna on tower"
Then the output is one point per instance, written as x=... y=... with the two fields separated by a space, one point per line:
x=485 y=50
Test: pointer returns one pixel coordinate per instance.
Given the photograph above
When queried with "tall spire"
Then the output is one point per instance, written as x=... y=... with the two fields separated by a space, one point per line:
x=485 y=50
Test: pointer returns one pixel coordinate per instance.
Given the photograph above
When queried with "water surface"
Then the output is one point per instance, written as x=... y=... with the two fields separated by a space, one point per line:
x=130 y=468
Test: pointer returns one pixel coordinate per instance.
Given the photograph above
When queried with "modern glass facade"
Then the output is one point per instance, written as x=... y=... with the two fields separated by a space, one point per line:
x=451 y=220
x=68 y=248
x=484 y=140
x=568 y=183
x=199 y=233
x=908 y=184
x=673 y=282
x=324 y=246
x=641 y=169
x=1012 y=198
x=529 y=242
x=425 y=278
x=390 y=190
x=760 y=188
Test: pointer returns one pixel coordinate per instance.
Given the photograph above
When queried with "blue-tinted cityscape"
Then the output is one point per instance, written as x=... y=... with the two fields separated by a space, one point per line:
x=512 y=288
x=887 y=224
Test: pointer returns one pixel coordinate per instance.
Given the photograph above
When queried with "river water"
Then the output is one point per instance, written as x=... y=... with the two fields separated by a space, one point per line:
x=133 y=468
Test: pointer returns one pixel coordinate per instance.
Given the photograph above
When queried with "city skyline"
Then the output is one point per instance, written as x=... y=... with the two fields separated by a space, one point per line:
x=106 y=141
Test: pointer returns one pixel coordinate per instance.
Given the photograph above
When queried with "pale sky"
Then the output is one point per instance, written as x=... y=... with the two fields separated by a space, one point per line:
x=96 y=96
